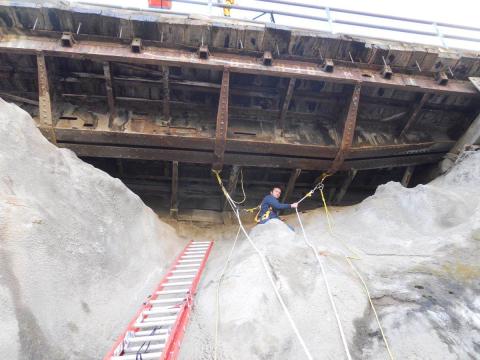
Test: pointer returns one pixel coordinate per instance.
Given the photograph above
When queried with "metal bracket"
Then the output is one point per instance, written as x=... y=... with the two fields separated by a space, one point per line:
x=441 y=78
x=267 y=58
x=328 y=65
x=203 y=52
x=136 y=45
x=67 y=39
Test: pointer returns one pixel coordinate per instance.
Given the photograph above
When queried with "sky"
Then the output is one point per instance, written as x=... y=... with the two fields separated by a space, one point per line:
x=463 y=12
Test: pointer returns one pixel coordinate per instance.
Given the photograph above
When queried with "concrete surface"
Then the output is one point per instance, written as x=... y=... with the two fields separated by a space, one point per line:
x=419 y=253
x=78 y=250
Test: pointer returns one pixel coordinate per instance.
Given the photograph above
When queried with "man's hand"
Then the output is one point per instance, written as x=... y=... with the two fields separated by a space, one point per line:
x=294 y=205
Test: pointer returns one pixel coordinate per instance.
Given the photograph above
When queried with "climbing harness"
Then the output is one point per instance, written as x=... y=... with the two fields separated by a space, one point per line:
x=265 y=266
x=158 y=327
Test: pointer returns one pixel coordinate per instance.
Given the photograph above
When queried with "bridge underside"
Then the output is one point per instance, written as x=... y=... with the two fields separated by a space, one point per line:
x=160 y=116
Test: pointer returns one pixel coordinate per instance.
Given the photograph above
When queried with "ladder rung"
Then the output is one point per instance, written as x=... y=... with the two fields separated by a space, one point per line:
x=137 y=339
x=175 y=277
x=159 y=318
x=150 y=324
x=140 y=349
x=176 y=291
x=199 y=246
x=149 y=356
x=161 y=310
x=178 y=283
x=200 y=242
x=167 y=301
x=183 y=271
x=189 y=261
x=193 y=257
x=151 y=332
x=195 y=253
x=181 y=266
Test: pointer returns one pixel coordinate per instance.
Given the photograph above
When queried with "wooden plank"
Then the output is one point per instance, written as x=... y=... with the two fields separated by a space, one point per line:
x=107 y=72
x=174 y=194
x=345 y=185
x=285 y=105
x=222 y=122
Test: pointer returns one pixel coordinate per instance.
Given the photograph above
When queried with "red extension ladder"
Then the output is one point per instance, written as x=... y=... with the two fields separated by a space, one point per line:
x=157 y=329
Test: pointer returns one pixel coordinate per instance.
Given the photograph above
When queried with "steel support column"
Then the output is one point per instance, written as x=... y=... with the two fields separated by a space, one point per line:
x=285 y=105
x=174 y=195
x=345 y=185
x=414 y=114
x=348 y=131
x=222 y=122
x=44 y=99
x=107 y=72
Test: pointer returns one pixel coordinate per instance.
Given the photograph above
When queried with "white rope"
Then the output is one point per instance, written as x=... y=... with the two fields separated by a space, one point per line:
x=269 y=275
x=217 y=313
x=332 y=302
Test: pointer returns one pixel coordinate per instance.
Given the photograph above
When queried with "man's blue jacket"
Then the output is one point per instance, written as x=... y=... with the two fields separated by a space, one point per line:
x=269 y=207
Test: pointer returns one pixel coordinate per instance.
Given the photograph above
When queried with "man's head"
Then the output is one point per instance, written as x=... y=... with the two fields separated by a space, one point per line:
x=276 y=191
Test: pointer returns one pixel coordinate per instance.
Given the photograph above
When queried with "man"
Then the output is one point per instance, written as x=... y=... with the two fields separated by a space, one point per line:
x=270 y=206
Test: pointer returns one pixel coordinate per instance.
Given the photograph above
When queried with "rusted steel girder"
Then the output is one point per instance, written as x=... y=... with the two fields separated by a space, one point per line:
x=222 y=122
x=44 y=100
x=267 y=161
x=102 y=51
x=348 y=131
x=207 y=143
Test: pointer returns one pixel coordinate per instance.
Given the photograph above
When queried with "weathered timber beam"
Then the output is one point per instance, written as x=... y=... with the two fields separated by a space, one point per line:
x=166 y=93
x=348 y=131
x=205 y=143
x=102 y=51
x=107 y=71
x=345 y=185
x=174 y=195
x=266 y=161
x=407 y=175
x=414 y=114
x=285 y=105
x=232 y=182
x=222 y=122
x=44 y=99
x=291 y=184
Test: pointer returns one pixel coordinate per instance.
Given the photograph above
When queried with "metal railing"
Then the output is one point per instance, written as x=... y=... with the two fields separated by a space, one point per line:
x=440 y=33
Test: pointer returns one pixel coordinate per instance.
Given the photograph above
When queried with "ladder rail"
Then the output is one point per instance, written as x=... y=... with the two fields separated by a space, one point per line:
x=119 y=344
x=172 y=346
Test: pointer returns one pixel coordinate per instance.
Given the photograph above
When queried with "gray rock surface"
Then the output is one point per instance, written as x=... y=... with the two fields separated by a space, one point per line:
x=78 y=250
x=419 y=253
